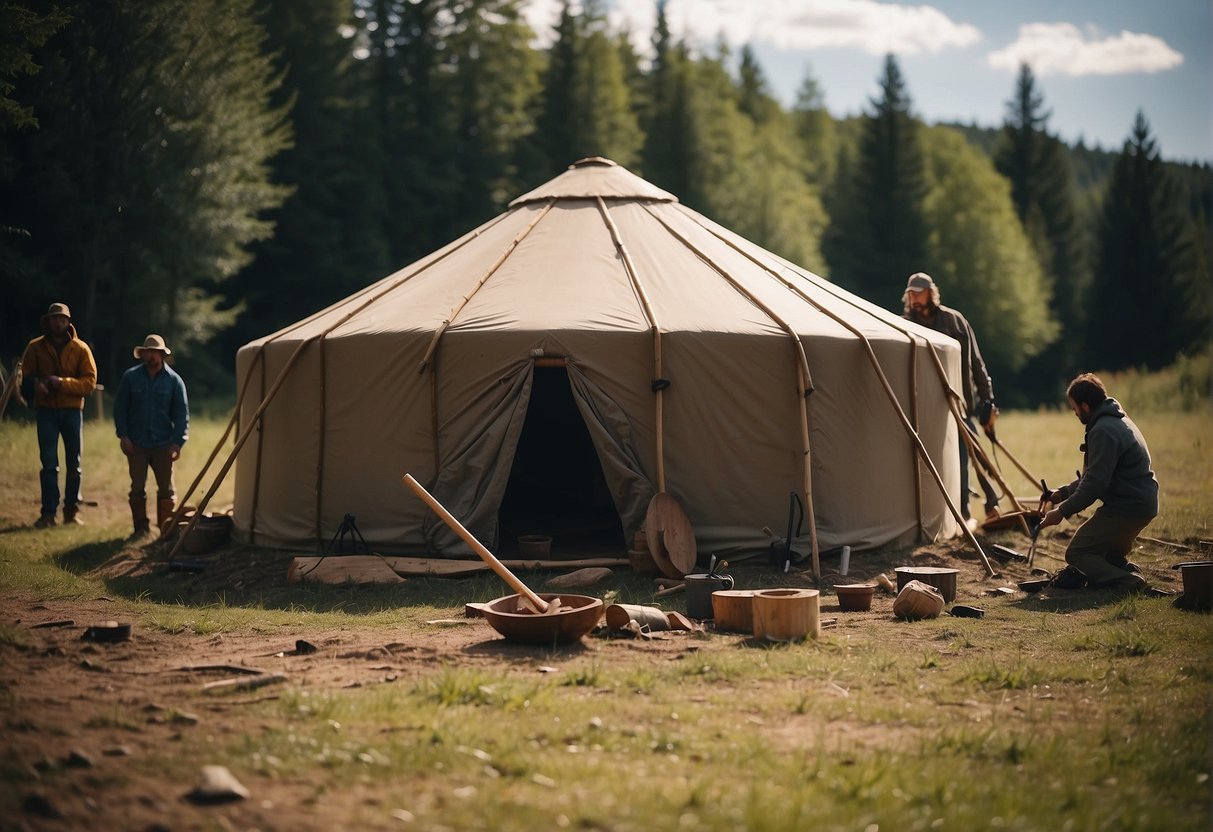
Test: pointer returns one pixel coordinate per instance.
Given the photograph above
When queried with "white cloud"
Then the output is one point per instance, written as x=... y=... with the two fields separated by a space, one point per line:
x=1061 y=49
x=876 y=28
x=873 y=27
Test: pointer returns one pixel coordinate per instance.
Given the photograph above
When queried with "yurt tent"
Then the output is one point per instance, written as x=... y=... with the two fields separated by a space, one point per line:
x=597 y=343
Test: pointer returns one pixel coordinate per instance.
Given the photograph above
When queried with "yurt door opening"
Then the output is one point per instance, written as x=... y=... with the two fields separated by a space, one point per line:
x=556 y=487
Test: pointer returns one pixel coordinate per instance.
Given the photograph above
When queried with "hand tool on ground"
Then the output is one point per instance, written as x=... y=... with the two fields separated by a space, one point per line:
x=497 y=566
x=1045 y=493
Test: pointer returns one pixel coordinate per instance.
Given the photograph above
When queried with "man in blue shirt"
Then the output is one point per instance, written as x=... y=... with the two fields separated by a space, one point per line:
x=152 y=418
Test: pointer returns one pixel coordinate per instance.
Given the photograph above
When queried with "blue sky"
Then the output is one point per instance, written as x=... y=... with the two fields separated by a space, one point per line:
x=1097 y=62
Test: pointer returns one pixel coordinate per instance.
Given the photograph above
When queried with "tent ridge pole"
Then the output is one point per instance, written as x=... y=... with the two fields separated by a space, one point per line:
x=647 y=308
x=518 y=238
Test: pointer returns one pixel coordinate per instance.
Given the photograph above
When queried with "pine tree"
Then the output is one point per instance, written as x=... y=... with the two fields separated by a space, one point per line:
x=24 y=29
x=1146 y=271
x=586 y=106
x=1045 y=196
x=327 y=239
x=816 y=132
x=981 y=258
x=877 y=235
x=556 y=135
x=149 y=178
x=754 y=96
x=665 y=161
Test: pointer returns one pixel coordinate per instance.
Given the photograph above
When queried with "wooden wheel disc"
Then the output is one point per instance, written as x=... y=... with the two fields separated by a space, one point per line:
x=670 y=537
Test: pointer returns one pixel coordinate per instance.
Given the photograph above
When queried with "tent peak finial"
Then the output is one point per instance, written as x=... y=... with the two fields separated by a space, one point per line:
x=595 y=177
x=593 y=160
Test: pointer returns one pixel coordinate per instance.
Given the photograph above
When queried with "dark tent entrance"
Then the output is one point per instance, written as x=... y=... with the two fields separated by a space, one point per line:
x=556 y=485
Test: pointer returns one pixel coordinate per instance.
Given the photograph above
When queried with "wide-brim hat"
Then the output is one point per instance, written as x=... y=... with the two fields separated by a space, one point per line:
x=152 y=342
x=920 y=282
x=57 y=309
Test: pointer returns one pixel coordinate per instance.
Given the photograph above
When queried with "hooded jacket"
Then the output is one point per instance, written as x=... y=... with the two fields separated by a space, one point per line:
x=1117 y=467
x=73 y=364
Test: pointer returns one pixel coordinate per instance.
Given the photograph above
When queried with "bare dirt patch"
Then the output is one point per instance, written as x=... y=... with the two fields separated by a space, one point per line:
x=97 y=709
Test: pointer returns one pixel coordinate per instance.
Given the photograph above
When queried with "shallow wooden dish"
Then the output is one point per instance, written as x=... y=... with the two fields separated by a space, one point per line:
x=578 y=614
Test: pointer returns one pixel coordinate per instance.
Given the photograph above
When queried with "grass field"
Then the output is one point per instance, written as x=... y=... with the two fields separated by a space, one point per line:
x=1071 y=716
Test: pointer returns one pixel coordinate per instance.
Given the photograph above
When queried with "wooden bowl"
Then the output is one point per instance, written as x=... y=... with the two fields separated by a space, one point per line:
x=855 y=597
x=578 y=614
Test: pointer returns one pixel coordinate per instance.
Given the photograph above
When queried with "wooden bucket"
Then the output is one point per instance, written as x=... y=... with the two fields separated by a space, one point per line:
x=787 y=614
x=733 y=610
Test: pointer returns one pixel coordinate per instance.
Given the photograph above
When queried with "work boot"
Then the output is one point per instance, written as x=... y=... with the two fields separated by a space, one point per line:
x=139 y=518
x=45 y=521
x=71 y=516
x=164 y=513
x=1069 y=578
x=1127 y=565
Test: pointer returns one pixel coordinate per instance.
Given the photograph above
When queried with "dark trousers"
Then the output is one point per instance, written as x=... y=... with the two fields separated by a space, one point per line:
x=161 y=463
x=991 y=494
x=1101 y=546
x=53 y=423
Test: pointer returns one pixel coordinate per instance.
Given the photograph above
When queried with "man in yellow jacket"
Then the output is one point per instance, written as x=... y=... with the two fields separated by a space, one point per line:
x=63 y=372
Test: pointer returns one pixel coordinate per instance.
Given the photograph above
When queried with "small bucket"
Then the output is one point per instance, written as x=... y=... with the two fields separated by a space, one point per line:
x=1198 y=586
x=535 y=545
x=855 y=597
x=699 y=593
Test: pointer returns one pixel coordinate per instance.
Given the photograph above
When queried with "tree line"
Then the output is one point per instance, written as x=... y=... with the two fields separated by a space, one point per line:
x=216 y=169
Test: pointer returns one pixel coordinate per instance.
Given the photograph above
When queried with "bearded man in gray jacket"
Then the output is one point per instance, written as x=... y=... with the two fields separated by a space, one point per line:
x=1116 y=470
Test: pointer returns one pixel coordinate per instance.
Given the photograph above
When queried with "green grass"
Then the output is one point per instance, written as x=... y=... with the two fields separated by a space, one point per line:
x=1036 y=717
x=1181 y=447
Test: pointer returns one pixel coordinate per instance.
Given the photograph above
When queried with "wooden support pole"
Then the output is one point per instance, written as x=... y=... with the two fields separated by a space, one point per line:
x=231 y=422
x=249 y=428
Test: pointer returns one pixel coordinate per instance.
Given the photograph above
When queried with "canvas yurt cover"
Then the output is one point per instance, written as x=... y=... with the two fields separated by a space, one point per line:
x=559 y=365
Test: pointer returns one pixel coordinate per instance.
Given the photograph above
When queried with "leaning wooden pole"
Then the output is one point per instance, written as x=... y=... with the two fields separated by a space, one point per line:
x=943 y=490
x=248 y=431
x=181 y=504
x=914 y=424
x=11 y=385
x=980 y=460
x=1031 y=478
x=888 y=389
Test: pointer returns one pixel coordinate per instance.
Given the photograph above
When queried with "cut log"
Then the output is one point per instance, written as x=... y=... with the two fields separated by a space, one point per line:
x=787 y=614
x=733 y=610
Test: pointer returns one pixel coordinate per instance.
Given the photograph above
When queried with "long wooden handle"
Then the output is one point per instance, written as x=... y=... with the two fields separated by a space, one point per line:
x=485 y=555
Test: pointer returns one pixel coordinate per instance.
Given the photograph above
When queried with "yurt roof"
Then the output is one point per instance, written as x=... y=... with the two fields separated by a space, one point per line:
x=598 y=248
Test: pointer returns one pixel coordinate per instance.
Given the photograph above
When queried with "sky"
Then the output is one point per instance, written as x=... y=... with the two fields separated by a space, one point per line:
x=1096 y=62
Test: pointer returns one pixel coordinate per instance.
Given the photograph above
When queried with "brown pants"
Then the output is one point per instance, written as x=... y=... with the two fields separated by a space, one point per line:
x=162 y=466
x=1103 y=543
